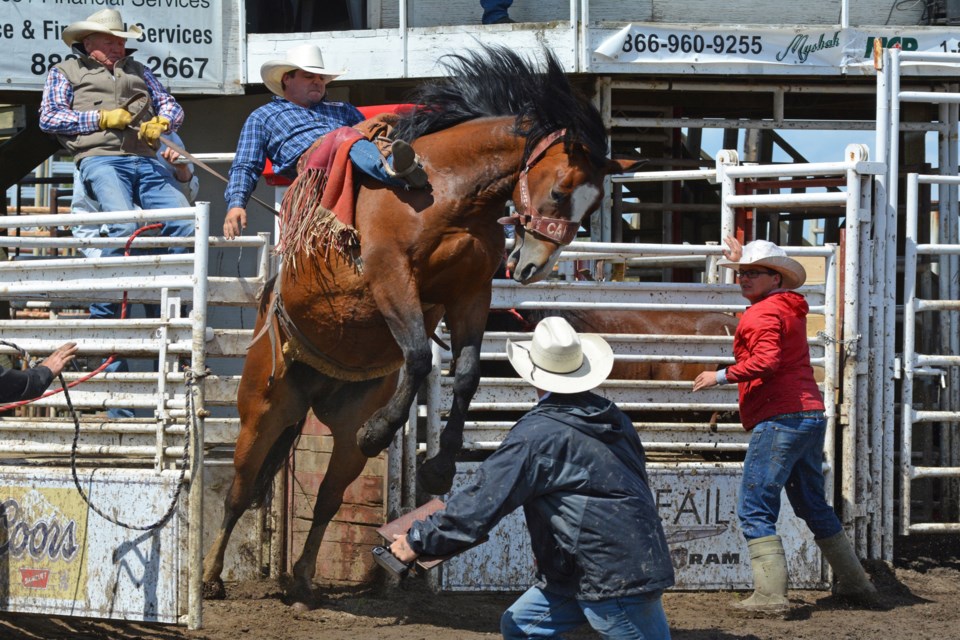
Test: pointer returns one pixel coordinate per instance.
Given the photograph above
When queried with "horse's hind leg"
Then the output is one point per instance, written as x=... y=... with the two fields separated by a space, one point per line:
x=342 y=412
x=270 y=419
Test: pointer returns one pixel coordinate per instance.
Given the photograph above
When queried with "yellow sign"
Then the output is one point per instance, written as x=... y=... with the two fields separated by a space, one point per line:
x=42 y=534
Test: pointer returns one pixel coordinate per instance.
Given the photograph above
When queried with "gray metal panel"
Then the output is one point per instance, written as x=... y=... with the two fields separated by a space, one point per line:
x=698 y=510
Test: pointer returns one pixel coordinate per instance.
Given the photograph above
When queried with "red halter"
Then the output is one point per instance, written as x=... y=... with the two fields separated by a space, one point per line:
x=554 y=229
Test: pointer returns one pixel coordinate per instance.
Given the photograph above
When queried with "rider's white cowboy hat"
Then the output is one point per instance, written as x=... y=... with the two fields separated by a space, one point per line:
x=306 y=57
x=762 y=253
x=104 y=21
x=558 y=359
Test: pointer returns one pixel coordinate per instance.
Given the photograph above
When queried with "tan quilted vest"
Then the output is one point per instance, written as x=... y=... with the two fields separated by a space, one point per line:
x=96 y=88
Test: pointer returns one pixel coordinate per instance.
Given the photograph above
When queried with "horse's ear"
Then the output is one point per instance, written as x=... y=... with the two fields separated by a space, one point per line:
x=624 y=166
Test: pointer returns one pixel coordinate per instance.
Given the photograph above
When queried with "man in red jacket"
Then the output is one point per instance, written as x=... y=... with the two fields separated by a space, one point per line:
x=781 y=405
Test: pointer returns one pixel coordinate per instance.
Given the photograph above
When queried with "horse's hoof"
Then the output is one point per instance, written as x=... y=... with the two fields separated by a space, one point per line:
x=300 y=597
x=436 y=475
x=214 y=590
x=374 y=437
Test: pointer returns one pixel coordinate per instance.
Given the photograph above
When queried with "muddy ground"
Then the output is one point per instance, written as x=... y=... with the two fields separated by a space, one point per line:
x=923 y=589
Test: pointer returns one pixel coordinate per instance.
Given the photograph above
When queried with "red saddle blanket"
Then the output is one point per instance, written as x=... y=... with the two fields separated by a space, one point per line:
x=332 y=157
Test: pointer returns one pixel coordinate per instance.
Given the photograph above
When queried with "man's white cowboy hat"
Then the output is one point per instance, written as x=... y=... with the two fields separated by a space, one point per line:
x=762 y=253
x=104 y=21
x=306 y=57
x=560 y=360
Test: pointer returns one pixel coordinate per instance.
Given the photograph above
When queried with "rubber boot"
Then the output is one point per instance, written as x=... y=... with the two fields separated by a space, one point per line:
x=769 y=565
x=851 y=583
x=406 y=165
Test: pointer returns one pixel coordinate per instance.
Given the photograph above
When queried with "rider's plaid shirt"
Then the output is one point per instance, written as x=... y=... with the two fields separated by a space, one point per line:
x=282 y=131
x=58 y=116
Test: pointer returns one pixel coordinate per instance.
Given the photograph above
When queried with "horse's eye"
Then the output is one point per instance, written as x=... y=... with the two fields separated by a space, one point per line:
x=559 y=197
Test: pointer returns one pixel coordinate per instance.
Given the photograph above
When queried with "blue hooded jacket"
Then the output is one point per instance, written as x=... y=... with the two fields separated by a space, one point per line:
x=577 y=467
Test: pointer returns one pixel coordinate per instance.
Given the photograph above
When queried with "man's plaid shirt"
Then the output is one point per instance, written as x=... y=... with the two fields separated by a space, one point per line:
x=282 y=131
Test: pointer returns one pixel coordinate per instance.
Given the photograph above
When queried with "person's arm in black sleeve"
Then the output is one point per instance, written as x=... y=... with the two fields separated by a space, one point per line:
x=503 y=482
x=24 y=385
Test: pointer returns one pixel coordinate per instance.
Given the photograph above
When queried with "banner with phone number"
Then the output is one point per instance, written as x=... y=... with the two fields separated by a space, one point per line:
x=809 y=48
x=182 y=41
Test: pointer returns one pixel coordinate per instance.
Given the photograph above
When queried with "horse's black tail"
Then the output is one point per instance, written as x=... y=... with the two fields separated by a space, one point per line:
x=274 y=460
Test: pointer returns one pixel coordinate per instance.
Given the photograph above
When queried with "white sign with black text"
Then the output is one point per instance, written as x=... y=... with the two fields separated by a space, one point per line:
x=181 y=42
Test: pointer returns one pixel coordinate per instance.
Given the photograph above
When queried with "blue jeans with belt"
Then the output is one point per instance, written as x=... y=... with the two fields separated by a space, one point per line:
x=541 y=614
x=786 y=452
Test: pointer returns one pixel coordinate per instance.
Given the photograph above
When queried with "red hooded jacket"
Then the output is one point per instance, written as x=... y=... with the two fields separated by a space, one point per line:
x=773 y=369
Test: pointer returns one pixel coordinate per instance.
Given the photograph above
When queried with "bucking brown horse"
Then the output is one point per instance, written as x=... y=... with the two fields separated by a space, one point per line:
x=346 y=331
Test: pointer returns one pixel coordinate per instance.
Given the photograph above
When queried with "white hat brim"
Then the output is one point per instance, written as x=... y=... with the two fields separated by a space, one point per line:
x=271 y=72
x=792 y=272
x=596 y=367
x=77 y=31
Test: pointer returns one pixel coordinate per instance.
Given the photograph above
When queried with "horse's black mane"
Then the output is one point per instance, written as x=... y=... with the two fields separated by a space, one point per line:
x=495 y=81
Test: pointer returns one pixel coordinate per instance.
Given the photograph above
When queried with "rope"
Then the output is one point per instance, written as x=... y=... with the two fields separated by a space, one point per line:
x=189 y=382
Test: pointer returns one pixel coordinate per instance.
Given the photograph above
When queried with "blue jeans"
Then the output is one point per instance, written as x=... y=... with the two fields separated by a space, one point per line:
x=367 y=157
x=494 y=10
x=786 y=452
x=541 y=614
x=123 y=183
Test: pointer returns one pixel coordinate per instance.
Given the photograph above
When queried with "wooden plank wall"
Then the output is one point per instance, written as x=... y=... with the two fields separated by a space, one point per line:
x=344 y=556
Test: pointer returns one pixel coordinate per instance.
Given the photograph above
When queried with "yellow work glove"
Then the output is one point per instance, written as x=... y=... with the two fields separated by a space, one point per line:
x=115 y=119
x=151 y=130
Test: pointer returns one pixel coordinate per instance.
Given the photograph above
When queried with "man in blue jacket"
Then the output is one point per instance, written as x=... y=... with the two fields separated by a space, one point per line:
x=577 y=467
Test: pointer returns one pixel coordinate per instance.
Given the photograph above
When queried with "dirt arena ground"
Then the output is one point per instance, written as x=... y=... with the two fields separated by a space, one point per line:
x=923 y=589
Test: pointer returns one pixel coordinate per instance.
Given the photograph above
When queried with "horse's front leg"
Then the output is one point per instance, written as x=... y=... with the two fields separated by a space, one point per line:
x=466 y=324
x=401 y=310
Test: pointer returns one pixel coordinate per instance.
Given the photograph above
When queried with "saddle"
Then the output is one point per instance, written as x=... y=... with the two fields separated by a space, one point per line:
x=318 y=208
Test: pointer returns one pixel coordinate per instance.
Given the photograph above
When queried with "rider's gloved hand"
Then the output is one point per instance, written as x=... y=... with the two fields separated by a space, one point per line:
x=115 y=119
x=151 y=130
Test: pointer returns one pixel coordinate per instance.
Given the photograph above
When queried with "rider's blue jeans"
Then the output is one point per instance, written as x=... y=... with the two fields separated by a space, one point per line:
x=540 y=614
x=786 y=452
x=366 y=156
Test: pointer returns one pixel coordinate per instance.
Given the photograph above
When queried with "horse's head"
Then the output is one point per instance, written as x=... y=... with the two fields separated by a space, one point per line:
x=559 y=186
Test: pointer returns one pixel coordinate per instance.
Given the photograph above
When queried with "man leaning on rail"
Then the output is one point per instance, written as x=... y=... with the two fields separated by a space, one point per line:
x=781 y=406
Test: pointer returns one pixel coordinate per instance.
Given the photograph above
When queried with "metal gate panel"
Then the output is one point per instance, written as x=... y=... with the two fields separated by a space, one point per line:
x=698 y=511
x=710 y=556
x=942 y=366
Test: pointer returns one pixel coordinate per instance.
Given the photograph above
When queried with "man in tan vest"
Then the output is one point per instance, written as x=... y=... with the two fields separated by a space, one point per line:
x=109 y=111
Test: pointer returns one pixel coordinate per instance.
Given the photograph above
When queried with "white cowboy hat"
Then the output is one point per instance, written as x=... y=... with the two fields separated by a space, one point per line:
x=560 y=360
x=762 y=253
x=306 y=57
x=104 y=21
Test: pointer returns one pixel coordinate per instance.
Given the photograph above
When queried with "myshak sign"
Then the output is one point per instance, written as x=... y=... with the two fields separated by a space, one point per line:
x=182 y=41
